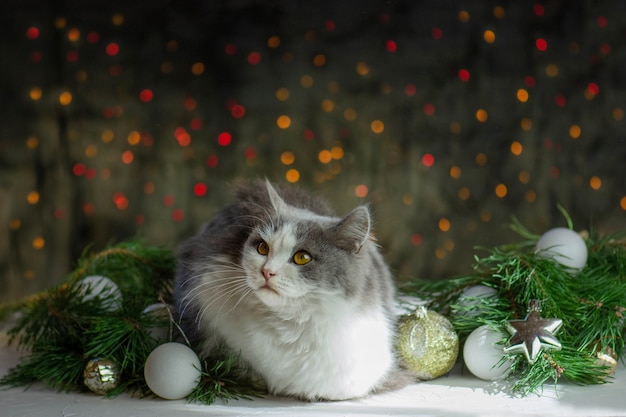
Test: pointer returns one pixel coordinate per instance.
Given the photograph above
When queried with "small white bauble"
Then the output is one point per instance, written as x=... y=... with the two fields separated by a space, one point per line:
x=469 y=298
x=100 y=286
x=160 y=311
x=482 y=354
x=563 y=246
x=172 y=371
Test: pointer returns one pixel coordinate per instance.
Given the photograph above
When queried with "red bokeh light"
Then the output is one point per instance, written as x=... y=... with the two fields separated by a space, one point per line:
x=146 y=95
x=212 y=161
x=428 y=160
x=224 y=139
x=93 y=37
x=32 y=33
x=541 y=44
x=464 y=75
x=429 y=109
x=560 y=100
x=178 y=215
x=237 y=111
x=254 y=58
x=200 y=189
x=112 y=49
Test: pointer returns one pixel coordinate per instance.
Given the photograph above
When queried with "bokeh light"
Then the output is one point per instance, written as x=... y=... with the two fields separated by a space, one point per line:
x=377 y=126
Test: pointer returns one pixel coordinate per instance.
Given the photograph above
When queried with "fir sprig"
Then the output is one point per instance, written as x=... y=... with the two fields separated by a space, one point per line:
x=220 y=379
x=591 y=303
x=67 y=325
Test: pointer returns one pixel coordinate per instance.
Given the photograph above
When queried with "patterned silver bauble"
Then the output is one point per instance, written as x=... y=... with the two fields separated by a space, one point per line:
x=101 y=375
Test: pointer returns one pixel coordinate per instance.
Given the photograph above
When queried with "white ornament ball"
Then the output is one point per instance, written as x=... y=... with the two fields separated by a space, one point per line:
x=172 y=371
x=469 y=298
x=100 y=286
x=482 y=354
x=563 y=246
x=160 y=311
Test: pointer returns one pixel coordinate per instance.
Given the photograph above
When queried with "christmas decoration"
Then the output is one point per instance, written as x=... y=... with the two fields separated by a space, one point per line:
x=172 y=371
x=607 y=358
x=484 y=356
x=101 y=375
x=470 y=301
x=99 y=286
x=563 y=246
x=426 y=343
x=66 y=324
x=534 y=333
x=586 y=310
x=160 y=311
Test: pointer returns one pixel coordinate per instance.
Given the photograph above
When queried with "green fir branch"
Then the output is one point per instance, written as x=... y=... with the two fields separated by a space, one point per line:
x=55 y=366
x=221 y=379
x=591 y=302
x=66 y=326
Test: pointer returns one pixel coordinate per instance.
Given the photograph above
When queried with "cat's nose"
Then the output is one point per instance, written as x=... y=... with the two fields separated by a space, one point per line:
x=267 y=274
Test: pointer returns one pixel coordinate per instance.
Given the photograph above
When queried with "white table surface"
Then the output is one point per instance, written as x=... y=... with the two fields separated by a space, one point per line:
x=458 y=394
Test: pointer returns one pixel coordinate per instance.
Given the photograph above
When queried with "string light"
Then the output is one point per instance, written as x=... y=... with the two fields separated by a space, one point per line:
x=292 y=175
x=325 y=137
x=489 y=36
x=482 y=115
x=377 y=126
x=283 y=121
x=361 y=191
x=287 y=158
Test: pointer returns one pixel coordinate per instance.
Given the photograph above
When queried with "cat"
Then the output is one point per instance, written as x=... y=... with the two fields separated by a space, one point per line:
x=304 y=297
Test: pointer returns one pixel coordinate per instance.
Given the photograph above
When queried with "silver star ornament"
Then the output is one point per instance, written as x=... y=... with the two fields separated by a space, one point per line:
x=533 y=334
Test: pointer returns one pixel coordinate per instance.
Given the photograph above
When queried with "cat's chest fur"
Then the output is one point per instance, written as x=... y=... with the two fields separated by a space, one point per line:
x=335 y=354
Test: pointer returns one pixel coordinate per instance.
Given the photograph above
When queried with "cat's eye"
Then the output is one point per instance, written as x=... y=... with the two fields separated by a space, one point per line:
x=302 y=257
x=263 y=248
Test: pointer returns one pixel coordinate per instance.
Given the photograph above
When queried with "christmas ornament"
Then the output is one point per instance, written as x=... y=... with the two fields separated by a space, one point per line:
x=534 y=333
x=607 y=357
x=426 y=343
x=172 y=371
x=101 y=375
x=159 y=311
x=469 y=299
x=100 y=286
x=564 y=246
x=483 y=355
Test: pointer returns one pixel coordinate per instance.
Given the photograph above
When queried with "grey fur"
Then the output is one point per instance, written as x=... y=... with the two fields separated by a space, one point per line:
x=346 y=260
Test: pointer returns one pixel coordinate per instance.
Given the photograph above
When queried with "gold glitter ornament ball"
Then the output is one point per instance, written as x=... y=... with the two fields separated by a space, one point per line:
x=101 y=375
x=426 y=343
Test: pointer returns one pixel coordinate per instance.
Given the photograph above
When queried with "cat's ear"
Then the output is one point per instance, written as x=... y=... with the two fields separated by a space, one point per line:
x=354 y=230
x=278 y=203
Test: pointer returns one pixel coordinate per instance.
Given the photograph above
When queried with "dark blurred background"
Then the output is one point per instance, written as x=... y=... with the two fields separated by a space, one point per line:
x=123 y=119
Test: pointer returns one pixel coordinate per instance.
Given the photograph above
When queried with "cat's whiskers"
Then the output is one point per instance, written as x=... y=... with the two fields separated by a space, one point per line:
x=218 y=293
x=207 y=280
x=246 y=290
x=225 y=296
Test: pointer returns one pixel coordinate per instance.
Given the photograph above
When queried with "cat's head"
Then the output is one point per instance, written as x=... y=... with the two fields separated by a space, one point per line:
x=297 y=255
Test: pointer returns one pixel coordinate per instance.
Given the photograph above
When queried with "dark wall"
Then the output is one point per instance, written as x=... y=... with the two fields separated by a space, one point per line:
x=124 y=119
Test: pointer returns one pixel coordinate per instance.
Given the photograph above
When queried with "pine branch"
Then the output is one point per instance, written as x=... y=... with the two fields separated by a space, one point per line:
x=221 y=379
x=67 y=326
x=591 y=303
x=55 y=366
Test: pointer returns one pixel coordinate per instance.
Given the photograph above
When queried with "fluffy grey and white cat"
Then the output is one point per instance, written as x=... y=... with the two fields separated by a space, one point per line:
x=304 y=297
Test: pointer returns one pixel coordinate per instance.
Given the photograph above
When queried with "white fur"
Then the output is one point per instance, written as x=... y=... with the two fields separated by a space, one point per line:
x=332 y=353
x=304 y=340
x=323 y=348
